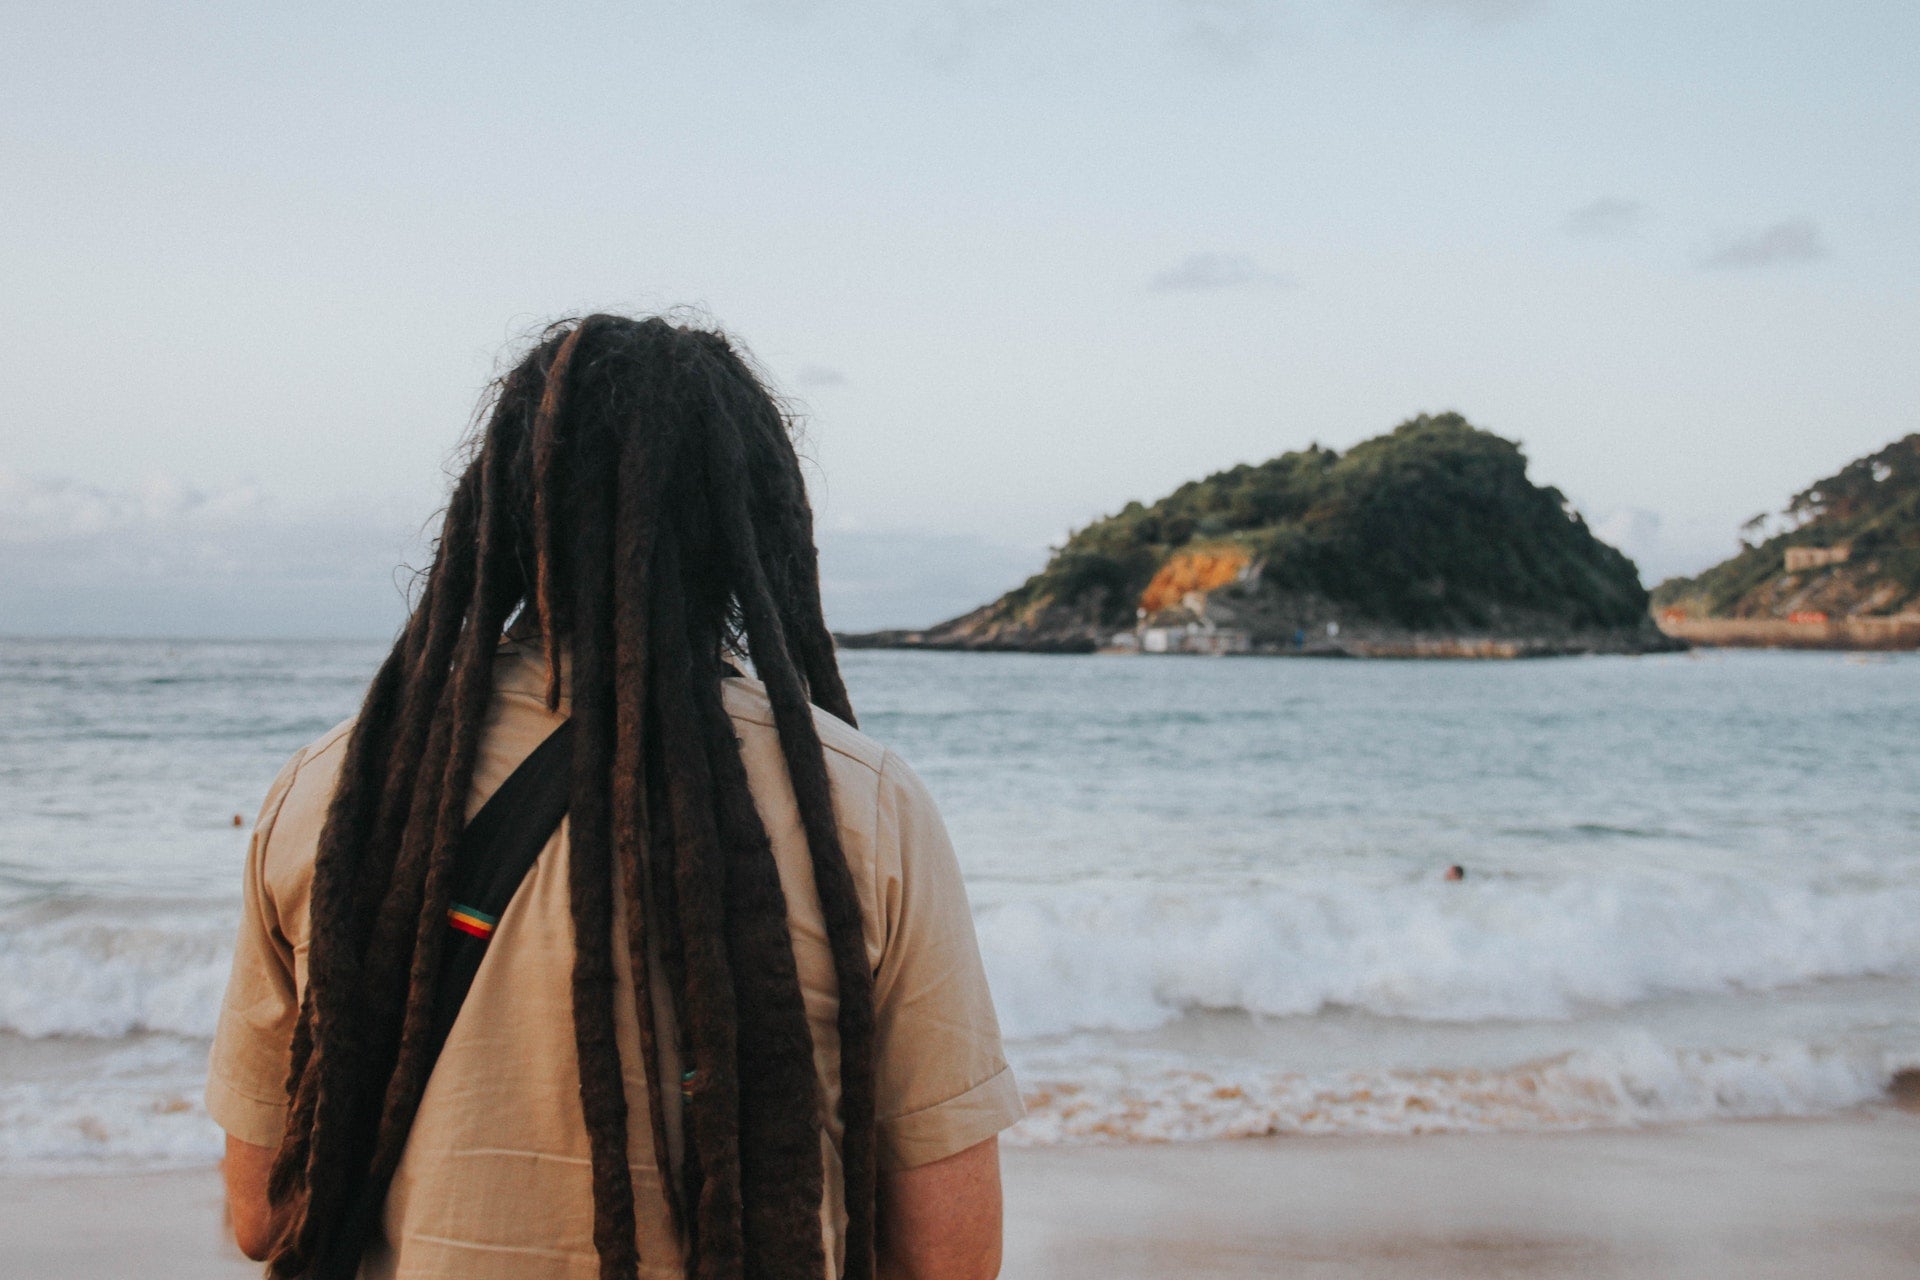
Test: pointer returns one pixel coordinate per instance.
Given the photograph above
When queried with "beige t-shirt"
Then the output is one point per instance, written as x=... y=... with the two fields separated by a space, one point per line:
x=495 y=1180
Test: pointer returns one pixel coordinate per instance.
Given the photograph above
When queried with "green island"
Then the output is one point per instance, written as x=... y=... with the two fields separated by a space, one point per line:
x=1839 y=567
x=1428 y=541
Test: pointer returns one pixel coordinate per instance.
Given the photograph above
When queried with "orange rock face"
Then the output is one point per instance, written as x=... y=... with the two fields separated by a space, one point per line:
x=1186 y=571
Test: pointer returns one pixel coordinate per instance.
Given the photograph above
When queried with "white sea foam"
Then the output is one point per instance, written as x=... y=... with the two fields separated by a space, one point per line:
x=1133 y=956
x=139 y=1105
x=1136 y=955
x=110 y=1009
x=136 y=1104
x=114 y=969
x=1633 y=1082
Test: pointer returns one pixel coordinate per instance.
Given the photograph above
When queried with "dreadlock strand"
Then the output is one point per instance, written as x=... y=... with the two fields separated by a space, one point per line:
x=635 y=521
x=662 y=867
x=497 y=586
x=602 y=1085
x=437 y=631
x=381 y=999
x=340 y=1055
x=700 y=885
x=805 y=620
x=547 y=486
x=350 y=871
x=774 y=473
x=805 y=625
x=356 y=794
x=781 y=1178
x=839 y=899
x=840 y=906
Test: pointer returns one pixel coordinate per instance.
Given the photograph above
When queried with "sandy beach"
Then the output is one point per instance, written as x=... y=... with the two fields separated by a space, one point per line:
x=1835 y=1198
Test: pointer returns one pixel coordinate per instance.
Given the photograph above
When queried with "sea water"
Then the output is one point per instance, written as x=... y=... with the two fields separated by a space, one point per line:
x=1209 y=892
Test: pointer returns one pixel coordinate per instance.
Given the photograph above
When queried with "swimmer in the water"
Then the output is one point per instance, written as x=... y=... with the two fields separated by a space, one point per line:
x=1455 y=872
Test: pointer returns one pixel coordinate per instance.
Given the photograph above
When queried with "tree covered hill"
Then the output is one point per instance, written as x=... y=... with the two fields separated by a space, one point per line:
x=1865 y=518
x=1432 y=528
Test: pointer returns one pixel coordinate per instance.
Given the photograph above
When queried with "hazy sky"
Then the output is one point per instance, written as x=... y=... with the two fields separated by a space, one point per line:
x=1016 y=263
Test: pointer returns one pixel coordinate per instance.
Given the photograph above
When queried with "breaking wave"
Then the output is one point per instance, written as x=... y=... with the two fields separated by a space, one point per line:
x=114 y=969
x=1130 y=957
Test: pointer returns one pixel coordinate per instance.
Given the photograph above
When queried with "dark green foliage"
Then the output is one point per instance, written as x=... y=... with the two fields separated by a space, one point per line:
x=1872 y=503
x=1433 y=525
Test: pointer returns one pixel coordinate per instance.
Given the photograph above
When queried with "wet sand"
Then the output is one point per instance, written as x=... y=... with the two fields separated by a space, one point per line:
x=1834 y=1198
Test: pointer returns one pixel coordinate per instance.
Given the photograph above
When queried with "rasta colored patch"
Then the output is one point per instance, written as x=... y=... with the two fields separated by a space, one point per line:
x=469 y=920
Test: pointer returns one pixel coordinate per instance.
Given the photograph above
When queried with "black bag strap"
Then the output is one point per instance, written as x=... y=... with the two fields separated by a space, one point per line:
x=494 y=854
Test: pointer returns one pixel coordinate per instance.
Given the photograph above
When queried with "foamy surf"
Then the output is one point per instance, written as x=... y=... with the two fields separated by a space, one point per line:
x=139 y=1106
x=131 y=1104
x=1633 y=1083
x=109 y=969
x=1133 y=956
x=1137 y=955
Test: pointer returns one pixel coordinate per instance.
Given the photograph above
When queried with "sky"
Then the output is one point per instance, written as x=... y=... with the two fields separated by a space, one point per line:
x=1012 y=264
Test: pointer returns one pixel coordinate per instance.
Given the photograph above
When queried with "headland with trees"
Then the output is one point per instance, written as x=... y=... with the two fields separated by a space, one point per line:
x=1429 y=540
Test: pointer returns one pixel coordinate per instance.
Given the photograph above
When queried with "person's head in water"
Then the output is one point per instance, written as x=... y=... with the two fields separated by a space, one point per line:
x=1455 y=872
x=634 y=494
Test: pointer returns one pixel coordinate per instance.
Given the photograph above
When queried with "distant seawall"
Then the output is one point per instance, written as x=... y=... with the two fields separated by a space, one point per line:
x=1897 y=631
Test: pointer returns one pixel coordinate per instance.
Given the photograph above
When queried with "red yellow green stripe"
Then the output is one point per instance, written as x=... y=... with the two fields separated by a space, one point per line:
x=469 y=920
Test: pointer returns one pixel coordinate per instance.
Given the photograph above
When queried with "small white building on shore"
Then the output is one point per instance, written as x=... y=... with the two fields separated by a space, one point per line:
x=1801 y=559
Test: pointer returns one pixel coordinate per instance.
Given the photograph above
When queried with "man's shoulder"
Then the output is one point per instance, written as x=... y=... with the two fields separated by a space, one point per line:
x=847 y=747
x=316 y=766
x=296 y=804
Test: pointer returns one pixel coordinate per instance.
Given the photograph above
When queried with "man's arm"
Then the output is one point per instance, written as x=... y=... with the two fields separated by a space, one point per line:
x=247 y=1070
x=941 y=1221
x=245 y=1170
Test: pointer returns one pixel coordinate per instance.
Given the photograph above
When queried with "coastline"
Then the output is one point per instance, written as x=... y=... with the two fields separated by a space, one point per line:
x=1892 y=633
x=1857 y=634
x=1760 y=1199
x=1353 y=642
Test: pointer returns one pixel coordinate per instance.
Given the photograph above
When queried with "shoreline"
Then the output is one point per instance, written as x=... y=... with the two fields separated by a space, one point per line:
x=1357 y=644
x=1760 y=1199
x=1829 y=1196
x=1886 y=633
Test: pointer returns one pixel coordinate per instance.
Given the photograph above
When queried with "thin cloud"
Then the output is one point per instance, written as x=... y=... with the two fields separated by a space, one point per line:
x=1607 y=218
x=1795 y=240
x=1229 y=33
x=1479 y=13
x=950 y=34
x=820 y=375
x=42 y=511
x=167 y=558
x=784 y=10
x=1205 y=271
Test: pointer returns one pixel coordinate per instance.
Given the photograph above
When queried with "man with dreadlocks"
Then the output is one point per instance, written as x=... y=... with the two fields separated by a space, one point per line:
x=730 y=1022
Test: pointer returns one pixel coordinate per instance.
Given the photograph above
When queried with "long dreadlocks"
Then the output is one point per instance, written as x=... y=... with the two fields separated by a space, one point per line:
x=636 y=494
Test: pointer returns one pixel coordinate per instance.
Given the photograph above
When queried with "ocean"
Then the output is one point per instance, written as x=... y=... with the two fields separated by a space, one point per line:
x=1209 y=892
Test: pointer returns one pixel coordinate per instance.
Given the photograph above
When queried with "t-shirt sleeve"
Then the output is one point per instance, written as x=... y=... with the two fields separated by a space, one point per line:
x=942 y=1082
x=247 y=1075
